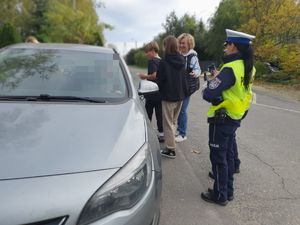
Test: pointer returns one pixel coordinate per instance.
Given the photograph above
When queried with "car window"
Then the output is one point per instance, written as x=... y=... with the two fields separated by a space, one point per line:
x=32 y=72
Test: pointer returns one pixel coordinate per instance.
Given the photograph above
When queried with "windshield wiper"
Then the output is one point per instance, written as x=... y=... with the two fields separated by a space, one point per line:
x=46 y=97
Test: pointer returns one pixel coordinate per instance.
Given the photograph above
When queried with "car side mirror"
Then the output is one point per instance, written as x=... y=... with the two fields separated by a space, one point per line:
x=147 y=87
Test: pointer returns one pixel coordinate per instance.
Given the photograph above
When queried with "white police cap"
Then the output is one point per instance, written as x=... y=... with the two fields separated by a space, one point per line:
x=239 y=37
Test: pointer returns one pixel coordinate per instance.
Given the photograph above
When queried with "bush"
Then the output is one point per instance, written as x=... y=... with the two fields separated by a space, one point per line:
x=278 y=77
x=261 y=70
x=129 y=58
x=8 y=35
x=140 y=59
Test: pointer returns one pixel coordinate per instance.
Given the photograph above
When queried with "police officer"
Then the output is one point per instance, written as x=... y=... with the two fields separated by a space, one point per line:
x=230 y=95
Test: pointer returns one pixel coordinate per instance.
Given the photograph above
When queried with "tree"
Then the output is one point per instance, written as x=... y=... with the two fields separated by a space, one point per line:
x=171 y=24
x=8 y=35
x=185 y=24
x=66 y=24
x=39 y=17
x=226 y=17
x=18 y=13
x=276 y=25
x=201 y=44
x=73 y=21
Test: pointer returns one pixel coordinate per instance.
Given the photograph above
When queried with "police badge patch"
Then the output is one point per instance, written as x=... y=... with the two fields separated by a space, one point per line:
x=213 y=84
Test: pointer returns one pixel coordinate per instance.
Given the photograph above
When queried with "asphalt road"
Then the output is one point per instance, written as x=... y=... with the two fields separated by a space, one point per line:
x=267 y=191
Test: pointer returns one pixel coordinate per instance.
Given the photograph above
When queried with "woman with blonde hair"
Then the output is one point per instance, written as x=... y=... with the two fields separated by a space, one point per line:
x=31 y=39
x=192 y=73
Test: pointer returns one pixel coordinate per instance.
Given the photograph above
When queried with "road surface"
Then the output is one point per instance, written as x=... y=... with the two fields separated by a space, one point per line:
x=267 y=191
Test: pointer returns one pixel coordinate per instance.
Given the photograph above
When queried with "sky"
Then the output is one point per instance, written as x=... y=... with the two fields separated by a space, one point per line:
x=137 y=22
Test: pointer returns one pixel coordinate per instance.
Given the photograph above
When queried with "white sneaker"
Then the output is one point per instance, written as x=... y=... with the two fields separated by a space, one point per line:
x=161 y=137
x=180 y=138
x=160 y=134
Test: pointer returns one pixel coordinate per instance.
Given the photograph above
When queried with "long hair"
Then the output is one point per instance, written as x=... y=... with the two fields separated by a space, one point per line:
x=247 y=56
x=171 y=45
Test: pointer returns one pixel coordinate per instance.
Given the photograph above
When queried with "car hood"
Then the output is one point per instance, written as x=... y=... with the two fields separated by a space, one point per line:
x=41 y=139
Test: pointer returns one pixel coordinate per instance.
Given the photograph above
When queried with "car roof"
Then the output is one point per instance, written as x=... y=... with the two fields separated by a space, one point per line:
x=64 y=46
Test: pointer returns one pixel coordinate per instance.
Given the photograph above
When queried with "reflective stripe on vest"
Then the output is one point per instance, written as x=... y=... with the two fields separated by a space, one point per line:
x=236 y=99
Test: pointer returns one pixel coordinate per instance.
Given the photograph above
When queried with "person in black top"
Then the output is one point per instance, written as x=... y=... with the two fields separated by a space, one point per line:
x=173 y=88
x=153 y=101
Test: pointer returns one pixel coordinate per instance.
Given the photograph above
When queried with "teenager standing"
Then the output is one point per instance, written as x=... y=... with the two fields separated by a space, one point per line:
x=173 y=89
x=153 y=101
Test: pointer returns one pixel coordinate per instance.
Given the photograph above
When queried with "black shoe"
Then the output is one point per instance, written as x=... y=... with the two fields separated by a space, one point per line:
x=208 y=197
x=168 y=153
x=230 y=198
x=211 y=175
x=211 y=191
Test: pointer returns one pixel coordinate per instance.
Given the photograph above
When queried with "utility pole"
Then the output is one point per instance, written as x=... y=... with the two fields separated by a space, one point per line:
x=134 y=42
x=74 y=4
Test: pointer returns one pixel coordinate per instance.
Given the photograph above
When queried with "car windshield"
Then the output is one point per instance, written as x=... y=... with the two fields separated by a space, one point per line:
x=52 y=72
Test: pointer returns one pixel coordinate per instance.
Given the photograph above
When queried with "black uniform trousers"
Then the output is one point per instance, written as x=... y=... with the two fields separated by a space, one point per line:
x=221 y=140
x=237 y=161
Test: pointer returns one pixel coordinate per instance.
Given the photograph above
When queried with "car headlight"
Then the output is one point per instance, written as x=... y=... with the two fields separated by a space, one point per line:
x=123 y=190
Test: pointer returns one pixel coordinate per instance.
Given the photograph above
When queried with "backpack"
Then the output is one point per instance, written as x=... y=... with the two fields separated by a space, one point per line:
x=193 y=82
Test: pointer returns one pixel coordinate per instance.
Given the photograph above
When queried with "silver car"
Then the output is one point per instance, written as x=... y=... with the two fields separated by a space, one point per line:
x=76 y=146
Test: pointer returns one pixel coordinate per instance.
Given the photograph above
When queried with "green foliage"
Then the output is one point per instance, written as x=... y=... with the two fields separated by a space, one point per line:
x=276 y=25
x=66 y=24
x=289 y=60
x=185 y=24
x=226 y=17
x=8 y=35
x=18 y=13
x=73 y=21
x=265 y=74
x=129 y=58
x=39 y=18
x=261 y=70
x=140 y=58
x=278 y=77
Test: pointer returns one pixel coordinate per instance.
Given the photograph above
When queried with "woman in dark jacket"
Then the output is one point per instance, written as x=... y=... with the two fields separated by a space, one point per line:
x=173 y=89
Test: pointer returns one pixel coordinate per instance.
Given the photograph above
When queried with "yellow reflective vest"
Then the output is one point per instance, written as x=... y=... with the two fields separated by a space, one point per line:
x=236 y=99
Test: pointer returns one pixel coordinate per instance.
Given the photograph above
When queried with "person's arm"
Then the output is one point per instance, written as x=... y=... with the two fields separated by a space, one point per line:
x=144 y=76
x=152 y=76
x=194 y=65
x=152 y=70
x=224 y=80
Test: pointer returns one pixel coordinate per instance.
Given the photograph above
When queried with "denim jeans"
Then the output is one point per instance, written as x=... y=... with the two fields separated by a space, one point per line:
x=183 y=117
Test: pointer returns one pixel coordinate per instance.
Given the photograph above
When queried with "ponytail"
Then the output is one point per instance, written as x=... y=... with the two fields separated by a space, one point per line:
x=247 y=56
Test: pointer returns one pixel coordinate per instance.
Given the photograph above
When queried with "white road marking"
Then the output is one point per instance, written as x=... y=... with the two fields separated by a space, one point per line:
x=270 y=106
